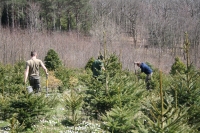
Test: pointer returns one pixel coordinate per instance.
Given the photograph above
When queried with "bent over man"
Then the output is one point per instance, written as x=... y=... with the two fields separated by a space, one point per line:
x=147 y=70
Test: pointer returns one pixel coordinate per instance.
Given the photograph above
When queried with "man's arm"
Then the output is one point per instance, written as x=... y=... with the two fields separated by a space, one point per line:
x=26 y=74
x=103 y=68
x=142 y=69
x=45 y=69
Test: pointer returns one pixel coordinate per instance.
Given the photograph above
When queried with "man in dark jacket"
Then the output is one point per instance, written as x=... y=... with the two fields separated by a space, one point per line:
x=147 y=70
x=98 y=66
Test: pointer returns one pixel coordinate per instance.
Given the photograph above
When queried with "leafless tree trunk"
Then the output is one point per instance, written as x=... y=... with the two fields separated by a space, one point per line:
x=33 y=15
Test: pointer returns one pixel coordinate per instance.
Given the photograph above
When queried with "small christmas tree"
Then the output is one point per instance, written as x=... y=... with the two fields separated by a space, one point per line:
x=52 y=60
x=178 y=67
x=29 y=109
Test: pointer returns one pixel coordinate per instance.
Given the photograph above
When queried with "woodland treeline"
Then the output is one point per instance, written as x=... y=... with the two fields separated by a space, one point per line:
x=147 y=24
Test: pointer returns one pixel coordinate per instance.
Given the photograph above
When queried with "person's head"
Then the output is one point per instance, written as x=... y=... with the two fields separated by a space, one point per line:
x=100 y=57
x=138 y=64
x=33 y=53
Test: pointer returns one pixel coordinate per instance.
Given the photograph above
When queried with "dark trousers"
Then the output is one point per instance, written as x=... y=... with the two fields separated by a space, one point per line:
x=35 y=83
x=147 y=80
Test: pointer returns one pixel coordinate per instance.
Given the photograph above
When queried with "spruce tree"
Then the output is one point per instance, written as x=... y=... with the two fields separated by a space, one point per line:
x=88 y=65
x=119 y=120
x=116 y=92
x=186 y=87
x=31 y=108
x=178 y=67
x=11 y=80
x=52 y=60
x=163 y=114
x=73 y=104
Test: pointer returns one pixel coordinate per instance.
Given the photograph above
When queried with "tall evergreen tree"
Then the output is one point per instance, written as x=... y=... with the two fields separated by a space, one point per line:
x=47 y=13
x=186 y=87
x=163 y=114
x=78 y=11
x=52 y=60
x=178 y=67
x=116 y=88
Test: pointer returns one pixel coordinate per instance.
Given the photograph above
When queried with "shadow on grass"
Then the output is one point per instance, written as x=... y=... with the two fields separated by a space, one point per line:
x=67 y=123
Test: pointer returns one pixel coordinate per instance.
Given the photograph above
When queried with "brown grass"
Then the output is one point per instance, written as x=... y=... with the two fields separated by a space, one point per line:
x=76 y=51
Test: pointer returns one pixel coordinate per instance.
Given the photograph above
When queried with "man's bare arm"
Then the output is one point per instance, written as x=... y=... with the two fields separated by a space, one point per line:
x=26 y=74
x=45 y=69
x=103 y=68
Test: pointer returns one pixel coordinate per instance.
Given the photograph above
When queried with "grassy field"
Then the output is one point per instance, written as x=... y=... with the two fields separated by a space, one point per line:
x=54 y=121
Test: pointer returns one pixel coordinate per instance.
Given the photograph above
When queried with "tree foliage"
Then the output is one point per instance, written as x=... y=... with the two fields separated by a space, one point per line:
x=178 y=67
x=73 y=105
x=118 y=120
x=21 y=109
x=46 y=14
x=115 y=91
x=31 y=108
x=186 y=88
x=52 y=60
x=88 y=65
x=119 y=101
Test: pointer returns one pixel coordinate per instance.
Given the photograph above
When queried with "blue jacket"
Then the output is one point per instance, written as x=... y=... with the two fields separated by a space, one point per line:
x=145 y=68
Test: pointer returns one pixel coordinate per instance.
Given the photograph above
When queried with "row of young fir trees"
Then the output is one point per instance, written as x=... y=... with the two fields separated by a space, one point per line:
x=119 y=101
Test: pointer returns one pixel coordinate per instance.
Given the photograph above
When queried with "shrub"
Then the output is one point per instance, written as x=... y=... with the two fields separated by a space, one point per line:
x=52 y=60
x=118 y=120
x=88 y=66
x=178 y=66
x=116 y=87
x=67 y=76
x=30 y=108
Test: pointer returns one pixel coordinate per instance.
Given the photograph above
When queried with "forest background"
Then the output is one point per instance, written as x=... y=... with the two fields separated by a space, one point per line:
x=136 y=30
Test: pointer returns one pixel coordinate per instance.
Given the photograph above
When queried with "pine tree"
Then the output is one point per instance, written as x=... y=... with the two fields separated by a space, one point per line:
x=4 y=107
x=15 y=126
x=52 y=60
x=12 y=78
x=117 y=91
x=118 y=120
x=178 y=67
x=88 y=65
x=186 y=87
x=163 y=114
x=31 y=108
x=73 y=105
